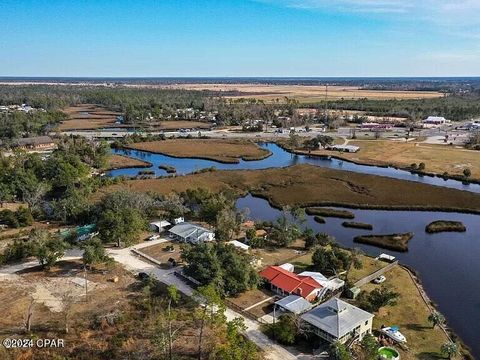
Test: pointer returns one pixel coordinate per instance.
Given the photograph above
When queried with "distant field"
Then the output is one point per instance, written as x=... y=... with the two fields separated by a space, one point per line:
x=87 y=117
x=437 y=158
x=227 y=151
x=306 y=93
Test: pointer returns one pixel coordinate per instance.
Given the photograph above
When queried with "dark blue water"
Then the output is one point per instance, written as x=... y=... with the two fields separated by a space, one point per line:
x=279 y=158
x=448 y=263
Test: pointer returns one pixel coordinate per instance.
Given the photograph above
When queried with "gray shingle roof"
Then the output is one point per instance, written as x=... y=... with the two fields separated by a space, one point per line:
x=336 y=317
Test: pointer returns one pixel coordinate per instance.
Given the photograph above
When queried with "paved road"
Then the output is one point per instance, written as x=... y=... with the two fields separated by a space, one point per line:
x=135 y=264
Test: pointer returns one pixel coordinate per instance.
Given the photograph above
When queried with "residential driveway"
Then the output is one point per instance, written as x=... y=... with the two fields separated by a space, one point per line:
x=136 y=264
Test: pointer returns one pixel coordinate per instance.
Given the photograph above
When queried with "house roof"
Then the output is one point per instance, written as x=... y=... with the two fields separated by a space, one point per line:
x=38 y=140
x=290 y=282
x=294 y=303
x=160 y=223
x=336 y=317
x=239 y=245
x=187 y=230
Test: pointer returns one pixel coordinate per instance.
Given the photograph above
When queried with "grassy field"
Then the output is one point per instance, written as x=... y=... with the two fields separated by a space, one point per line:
x=396 y=242
x=307 y=185
x=228 y=151
x=279 y=256
x=410 y=314
x=437 y=158
x=87 y=117
x=116 y=161
x=306 y=93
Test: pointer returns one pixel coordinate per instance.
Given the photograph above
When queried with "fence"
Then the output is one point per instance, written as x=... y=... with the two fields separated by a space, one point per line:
x=147 y=257
x=247 y=314
x=374 y=275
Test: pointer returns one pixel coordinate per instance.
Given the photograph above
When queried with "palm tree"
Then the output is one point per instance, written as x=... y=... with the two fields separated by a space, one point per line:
x=435 y=318
x=450 y=349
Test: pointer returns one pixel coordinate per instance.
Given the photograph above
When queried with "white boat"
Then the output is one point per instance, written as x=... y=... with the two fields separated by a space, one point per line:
x=393 y=333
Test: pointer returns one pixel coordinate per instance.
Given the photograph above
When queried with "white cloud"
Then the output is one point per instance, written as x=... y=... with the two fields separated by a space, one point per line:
x=454 y=12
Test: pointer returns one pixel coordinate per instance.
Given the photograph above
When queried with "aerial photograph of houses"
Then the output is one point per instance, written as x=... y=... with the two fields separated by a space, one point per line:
x=240 y=180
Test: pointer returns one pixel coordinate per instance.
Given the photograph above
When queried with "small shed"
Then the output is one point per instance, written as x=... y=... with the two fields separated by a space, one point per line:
x=239 y=245
x=287 y=266
x=353 y=292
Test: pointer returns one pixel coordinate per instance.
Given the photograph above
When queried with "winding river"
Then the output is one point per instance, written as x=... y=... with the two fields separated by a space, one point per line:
x=279 y=158
x=448 y=263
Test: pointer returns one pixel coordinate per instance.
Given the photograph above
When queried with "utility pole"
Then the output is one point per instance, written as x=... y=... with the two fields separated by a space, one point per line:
x=86 y=282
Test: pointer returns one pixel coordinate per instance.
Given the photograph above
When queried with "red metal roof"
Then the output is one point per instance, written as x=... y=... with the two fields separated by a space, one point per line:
x=290 y=282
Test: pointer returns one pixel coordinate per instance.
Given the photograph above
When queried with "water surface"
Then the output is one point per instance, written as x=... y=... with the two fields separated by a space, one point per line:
x=448 y=263
x=279 y=158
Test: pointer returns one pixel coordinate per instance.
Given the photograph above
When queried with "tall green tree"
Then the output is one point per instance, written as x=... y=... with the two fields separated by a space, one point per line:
x=122 y=226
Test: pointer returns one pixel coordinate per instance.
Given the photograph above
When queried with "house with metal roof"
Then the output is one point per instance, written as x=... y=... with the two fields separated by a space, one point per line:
x=336 y=320
x=285 y=282
x=159 y=225
x=294 y=304
x=35 y=143
x=192 y=233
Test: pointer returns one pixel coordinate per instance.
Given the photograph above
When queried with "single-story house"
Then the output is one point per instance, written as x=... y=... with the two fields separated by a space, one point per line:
x=336 y=320
x=344 y=148
x=35 y=143
x=192 y=233
x=376 y=126
x=294 y=304
x=285 y=282
x=435 y=120
x=159 y=226
x=239 y=245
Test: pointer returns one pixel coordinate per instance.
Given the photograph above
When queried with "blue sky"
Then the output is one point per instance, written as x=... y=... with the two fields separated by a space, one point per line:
x=240 y=38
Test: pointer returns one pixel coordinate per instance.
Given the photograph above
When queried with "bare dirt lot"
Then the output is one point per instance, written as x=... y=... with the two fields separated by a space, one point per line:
x=159 y=252
x=228 y=151
x=305 y=93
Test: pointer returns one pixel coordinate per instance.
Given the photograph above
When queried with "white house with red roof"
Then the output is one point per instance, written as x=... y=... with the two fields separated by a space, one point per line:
x=285 y=282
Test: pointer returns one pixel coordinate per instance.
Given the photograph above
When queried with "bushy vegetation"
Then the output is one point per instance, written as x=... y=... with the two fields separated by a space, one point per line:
x=18 y=124
x=451 y=107
x=16 y=219
x=56 y=187
x=224 y=266
x=378 y=298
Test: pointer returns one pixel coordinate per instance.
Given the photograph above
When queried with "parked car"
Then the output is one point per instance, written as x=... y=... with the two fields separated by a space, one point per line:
x=143 y=276
x=379 y=279
x=153 y=237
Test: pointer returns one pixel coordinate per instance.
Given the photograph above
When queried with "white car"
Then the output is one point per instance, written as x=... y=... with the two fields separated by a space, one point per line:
x=153 y=237
x=380 y=279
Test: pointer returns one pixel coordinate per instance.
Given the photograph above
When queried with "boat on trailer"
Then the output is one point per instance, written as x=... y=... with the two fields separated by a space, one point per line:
x=394 y=333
